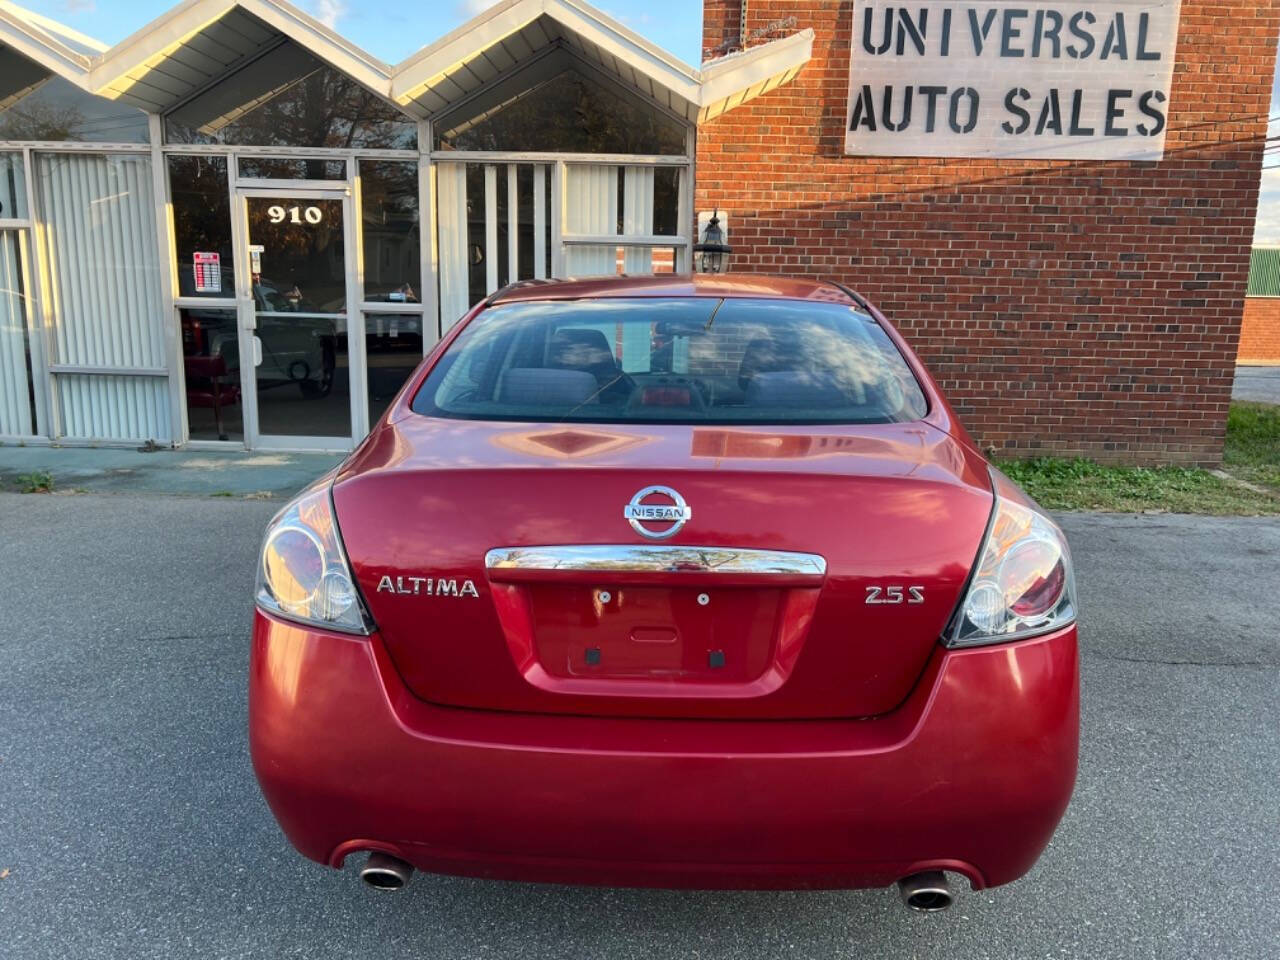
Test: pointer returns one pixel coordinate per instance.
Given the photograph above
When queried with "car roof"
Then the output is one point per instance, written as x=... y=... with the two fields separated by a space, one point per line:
x=677 y=285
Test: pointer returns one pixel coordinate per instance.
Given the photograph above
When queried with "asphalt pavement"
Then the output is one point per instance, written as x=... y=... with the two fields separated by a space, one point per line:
x=131 y=825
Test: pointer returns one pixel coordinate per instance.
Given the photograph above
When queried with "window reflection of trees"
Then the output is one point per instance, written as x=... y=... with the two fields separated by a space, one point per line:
x=567 y=114
x=392 y=245
x=201 y=218
x=321 y=108
x=56 y=110
x=303 y=265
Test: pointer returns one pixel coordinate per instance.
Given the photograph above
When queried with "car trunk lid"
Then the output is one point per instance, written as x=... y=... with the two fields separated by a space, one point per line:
x=811 y=577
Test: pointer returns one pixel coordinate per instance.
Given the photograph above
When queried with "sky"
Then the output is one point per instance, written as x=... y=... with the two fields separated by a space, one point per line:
x=393 y=31
x=1266 y=230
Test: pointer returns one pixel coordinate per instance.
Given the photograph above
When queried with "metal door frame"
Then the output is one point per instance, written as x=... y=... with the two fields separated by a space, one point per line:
x=246 y=317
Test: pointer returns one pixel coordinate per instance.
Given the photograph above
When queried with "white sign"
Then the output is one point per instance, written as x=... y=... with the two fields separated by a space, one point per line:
x=208 y=272
x=1044 y=80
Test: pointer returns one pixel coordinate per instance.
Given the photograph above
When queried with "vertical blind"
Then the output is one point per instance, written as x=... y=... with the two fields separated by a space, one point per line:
x=15 y=389
x=451 y=213
x=594 y=206
x=106 y=308
x=591 y=208
x=637 y=217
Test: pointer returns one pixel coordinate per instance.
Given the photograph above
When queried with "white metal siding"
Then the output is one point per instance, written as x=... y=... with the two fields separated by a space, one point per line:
x=15 y=399
x=99 y=407
x=105 y=304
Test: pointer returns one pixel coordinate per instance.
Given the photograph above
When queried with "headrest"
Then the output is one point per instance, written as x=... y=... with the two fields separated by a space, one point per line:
x=795 y=388
x=580 y=350
x=540 y=387
x=769 y=355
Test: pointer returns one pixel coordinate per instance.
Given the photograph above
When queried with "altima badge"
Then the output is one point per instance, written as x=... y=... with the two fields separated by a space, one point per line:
x=427 y=587
x=677 y=513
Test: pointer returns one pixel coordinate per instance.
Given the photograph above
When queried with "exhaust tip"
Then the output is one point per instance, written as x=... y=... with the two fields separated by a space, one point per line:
x=385 y=872
x=926 y=892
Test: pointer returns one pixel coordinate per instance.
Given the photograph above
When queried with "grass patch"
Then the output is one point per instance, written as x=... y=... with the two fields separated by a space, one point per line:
x=38 y=481
x=1253 y=444
x=1081 y=484
x=1252 y=455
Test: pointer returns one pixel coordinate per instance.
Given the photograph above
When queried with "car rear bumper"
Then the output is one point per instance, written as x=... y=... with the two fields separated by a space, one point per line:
x=971 y=774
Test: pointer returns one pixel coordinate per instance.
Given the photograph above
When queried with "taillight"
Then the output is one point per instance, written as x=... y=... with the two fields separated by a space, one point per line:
x=1022 y=585
x=303 y=573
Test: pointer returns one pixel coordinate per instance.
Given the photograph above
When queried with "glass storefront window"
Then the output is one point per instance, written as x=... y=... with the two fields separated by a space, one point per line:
x=13 y=187
x=393 y=350
x=478 y=252
x=291 y=168
x=301 y=265
x=589 y=260
x=569 y=114
x=304 y=380
x=211 y=369
x=527 y=243
x=640 y=261
x=666 y=201
x=202 y=226
x=56 y=109
x=392 y=242
x=291 y=99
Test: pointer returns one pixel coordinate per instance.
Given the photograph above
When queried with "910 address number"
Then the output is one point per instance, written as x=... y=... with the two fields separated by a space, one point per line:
x=279 y=214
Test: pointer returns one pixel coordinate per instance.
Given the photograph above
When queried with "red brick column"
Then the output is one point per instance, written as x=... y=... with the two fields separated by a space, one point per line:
x=1066 y=307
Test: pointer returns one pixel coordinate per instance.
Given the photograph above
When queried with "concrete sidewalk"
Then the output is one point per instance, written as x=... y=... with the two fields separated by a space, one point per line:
x=1257 y=384
x=193 y=473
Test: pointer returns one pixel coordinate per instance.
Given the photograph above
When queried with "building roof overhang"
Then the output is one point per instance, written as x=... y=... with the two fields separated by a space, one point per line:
x=34 y=48
x=467 y=60
x=190 y=49
x=200 y=42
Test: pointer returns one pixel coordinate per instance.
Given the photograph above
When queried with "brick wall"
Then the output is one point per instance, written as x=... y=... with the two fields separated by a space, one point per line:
x=1260 y=332
x=1065 y=307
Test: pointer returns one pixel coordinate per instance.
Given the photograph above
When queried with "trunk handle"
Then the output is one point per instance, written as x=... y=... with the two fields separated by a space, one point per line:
x=716 y=564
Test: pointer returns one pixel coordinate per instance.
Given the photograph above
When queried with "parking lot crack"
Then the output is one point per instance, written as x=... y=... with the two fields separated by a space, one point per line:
x=1184 y=663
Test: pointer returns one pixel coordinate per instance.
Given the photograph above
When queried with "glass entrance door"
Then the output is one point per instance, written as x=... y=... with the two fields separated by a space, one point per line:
x=295 y=308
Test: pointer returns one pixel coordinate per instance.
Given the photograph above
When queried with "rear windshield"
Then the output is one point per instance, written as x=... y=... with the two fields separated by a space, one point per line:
x=678 y=360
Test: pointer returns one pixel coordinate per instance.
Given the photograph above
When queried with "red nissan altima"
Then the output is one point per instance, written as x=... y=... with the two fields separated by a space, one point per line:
x=689 y=582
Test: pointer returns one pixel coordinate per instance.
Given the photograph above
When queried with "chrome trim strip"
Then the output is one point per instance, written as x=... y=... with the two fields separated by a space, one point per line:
x=640 y=558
